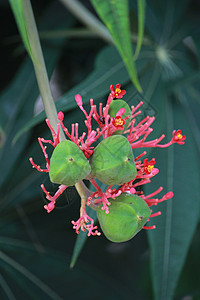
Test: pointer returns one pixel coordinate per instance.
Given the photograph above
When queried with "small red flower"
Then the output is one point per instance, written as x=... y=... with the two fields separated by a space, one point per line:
x=148 y=165
x=178 y=137
x=118 y=122
x=117 y=92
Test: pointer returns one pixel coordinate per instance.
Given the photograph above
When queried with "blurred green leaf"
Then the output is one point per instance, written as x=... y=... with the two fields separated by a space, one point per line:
x=152 y=20
x=141 y=22
x=18 y=10
x=28 y=275
x=175 y=227
x=109 y=69
x=189 y=285
x=168 y=23
x=115 y=15
x=33 y=275
x=6 y=289
x=195 y=46
x=191 y=108
x=18 y=114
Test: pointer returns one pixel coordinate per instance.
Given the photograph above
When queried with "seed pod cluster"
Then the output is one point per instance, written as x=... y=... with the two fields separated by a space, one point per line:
x=112 y=161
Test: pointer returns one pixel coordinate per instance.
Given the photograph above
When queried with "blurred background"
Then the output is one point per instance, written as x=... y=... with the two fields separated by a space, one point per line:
x=36 y=248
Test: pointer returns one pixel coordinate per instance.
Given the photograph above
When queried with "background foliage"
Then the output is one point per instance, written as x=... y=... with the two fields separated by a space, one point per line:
x=36 y=248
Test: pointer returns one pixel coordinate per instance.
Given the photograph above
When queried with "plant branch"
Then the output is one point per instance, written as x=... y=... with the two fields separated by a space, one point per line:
x=87 y=18
x=39 y=66
x=83 y=191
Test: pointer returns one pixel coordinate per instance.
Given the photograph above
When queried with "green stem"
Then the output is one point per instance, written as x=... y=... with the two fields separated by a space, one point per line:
x=39 y=66
x=43 y=81
x=83 y=191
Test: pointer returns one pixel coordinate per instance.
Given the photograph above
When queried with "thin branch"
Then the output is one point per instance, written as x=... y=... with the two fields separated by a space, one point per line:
x=87 y=18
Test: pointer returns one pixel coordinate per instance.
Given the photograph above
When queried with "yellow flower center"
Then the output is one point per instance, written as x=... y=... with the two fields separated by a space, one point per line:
x=150 y=168
x=179 y=136
x=117 y=91
x=119 y=122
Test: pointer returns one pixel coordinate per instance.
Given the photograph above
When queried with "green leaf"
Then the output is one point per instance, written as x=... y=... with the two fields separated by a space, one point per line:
x=141 y=22
x=152 y=20
x=7 y=290
x=115 y=15
x=18 y=10
x=175 y=227
x=27 y=274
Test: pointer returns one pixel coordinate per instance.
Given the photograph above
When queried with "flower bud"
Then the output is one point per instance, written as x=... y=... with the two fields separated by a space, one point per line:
x=127 y=215
x=112 y=161
x=115 y=106
x=68 y=164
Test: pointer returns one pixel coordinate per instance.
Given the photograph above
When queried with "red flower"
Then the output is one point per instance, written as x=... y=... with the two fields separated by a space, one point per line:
x=148 y=165
x=117 y=92
x=178 y=137
x=118 y=122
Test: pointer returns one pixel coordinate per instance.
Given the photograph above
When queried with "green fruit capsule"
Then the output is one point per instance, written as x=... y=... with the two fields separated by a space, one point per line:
x=127 y=215
x=68 y=164
x=140 y=206
x=112 y=161
x=115 y=106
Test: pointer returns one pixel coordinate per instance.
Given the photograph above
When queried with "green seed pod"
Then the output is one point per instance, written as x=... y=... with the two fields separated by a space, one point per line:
x=127 y=215
x=140 y=206
x=68 y=164
x=112 y=161
x=115 y=106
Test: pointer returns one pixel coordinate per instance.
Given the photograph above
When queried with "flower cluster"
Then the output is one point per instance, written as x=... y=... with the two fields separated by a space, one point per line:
x=108 y=125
